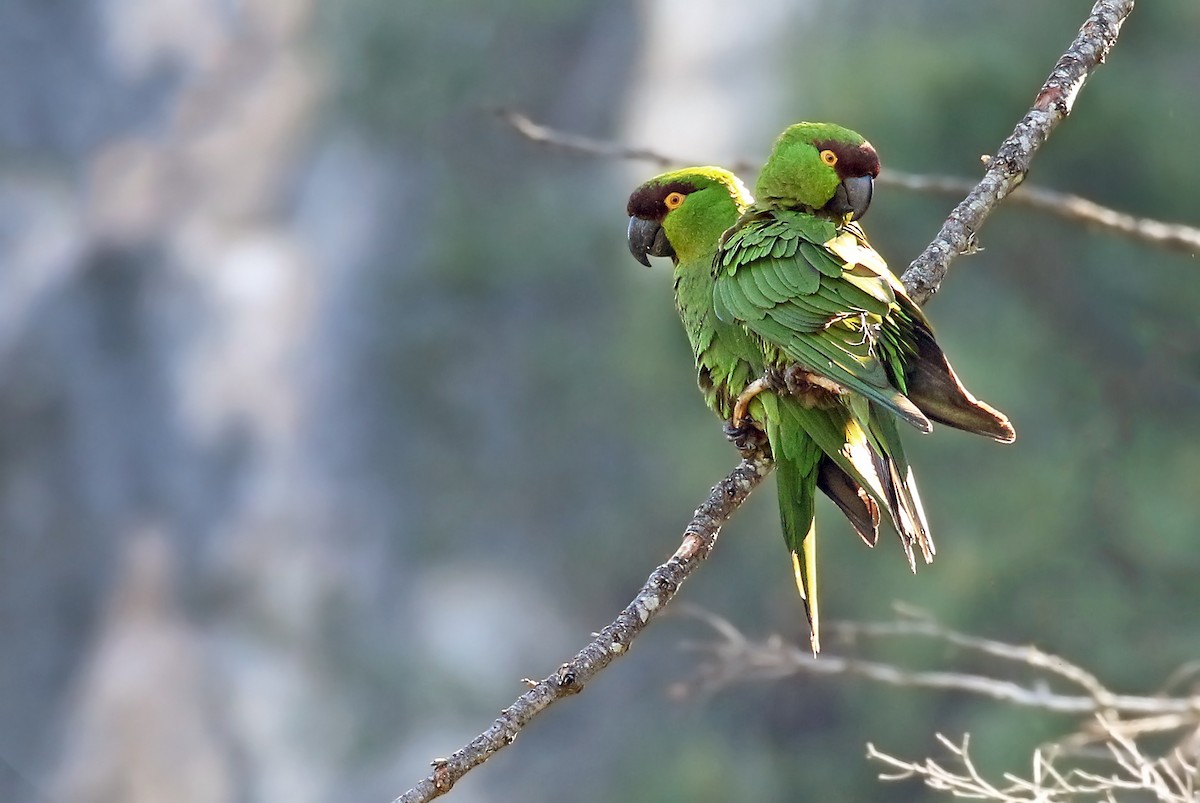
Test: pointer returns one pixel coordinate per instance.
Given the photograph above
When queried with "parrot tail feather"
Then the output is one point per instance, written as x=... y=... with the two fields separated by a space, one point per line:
x=804 y=564
x=851 y=498
x=936 y=390
x=900 y=486
x=797 y=465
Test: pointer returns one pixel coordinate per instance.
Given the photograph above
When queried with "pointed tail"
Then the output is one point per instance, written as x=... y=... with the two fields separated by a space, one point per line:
x=797 y=466
x=859 y=507
x=936 y=390
x=903 y=501
x=804 y=565
x=854 y=472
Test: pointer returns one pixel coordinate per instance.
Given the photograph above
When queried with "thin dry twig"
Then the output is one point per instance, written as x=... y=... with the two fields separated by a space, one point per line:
x=1072 y=208
x=734 y=658
x=1168 y=779
x=611 y=642
x=1024 y=654
x=592 y=146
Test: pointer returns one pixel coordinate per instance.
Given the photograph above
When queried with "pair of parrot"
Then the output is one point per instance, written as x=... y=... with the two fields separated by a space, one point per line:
x=801 y=332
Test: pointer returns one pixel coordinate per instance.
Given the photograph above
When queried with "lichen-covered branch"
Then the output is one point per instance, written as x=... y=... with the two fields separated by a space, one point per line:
x=611 y=642
x=1008 y=168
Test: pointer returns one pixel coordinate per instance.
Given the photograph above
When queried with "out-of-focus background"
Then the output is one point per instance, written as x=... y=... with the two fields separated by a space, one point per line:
x=330 y=407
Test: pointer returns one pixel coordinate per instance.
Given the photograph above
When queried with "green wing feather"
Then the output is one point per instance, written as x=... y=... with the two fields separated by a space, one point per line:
x=927 y=378
x=834 y=317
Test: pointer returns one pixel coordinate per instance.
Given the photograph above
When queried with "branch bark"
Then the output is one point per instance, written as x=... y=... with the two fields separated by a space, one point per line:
x=611 y=642
x=923 y=277
x=1008 y=168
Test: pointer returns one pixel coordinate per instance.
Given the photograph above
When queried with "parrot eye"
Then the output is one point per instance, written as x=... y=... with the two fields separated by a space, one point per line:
x=829 y=157
x=674 y=200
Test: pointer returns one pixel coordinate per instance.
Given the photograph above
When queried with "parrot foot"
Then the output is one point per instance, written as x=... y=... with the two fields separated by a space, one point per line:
x=748 y=437
x=745 y=397
x=810 y=389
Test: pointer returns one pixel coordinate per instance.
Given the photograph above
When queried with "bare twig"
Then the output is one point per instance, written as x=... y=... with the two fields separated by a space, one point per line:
x=1073 y=208
x=737 y=659
x=591 y=146
x=1100 y=732
x=1024 y=654
x=611 y=642
x=1008 y=167
x=1169 y=779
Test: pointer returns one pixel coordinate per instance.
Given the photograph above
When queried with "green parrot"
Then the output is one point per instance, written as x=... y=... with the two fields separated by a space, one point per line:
x=832 y=321
x=797 y=303
x=683 y=215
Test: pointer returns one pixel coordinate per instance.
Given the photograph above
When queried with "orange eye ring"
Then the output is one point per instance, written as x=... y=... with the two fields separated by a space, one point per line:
x=674 y=200
x=829 y=157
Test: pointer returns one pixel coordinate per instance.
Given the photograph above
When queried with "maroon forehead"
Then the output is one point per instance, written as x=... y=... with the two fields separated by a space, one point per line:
x=853 y=160
x=647 y=200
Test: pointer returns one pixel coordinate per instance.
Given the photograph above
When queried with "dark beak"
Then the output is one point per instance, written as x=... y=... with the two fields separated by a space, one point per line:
x=646 y=237
x=853 y=197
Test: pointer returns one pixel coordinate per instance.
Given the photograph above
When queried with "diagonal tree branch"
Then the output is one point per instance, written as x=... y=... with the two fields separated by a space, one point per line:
x=1006 y=170
x=611 y=642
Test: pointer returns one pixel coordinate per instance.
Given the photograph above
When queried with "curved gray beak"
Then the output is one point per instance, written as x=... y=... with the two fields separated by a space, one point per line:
x=647 y=238
x=853 y=197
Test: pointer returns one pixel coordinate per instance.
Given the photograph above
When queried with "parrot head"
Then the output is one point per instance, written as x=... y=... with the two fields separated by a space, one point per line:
x=683 y=213
x=821 y=167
